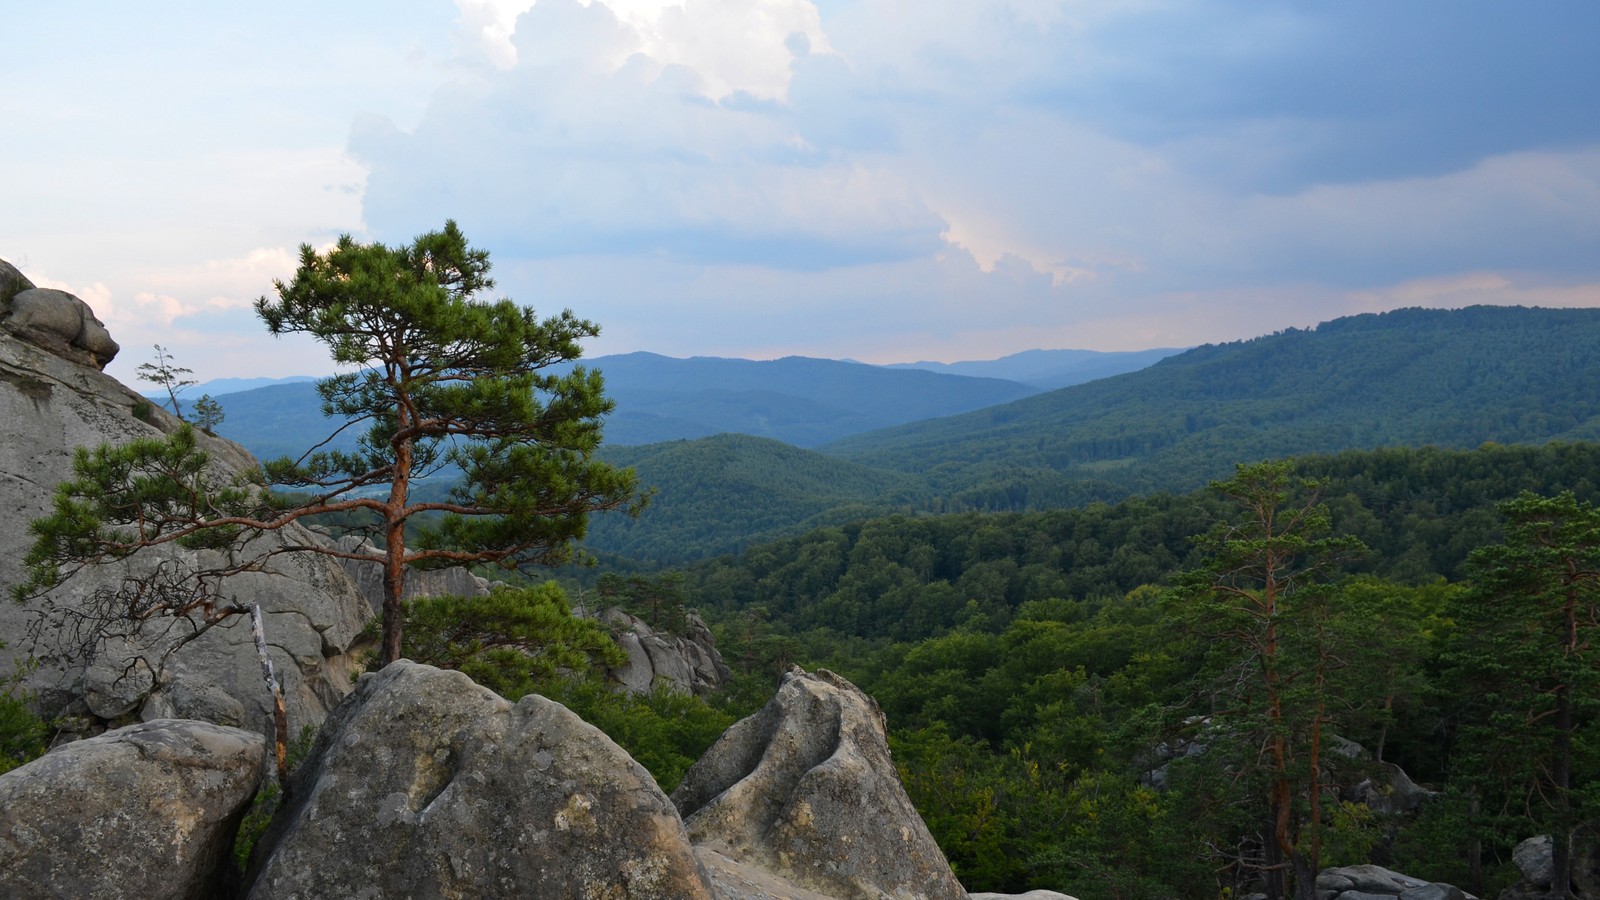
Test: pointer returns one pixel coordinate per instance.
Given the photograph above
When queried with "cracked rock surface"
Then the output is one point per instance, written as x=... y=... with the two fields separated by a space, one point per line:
x=51 y=405
x=805 y=789
x=145 y=811
x=423 y=784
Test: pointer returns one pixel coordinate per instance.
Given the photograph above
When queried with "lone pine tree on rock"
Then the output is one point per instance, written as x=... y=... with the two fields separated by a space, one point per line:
x=166 y=373
x=441 y=381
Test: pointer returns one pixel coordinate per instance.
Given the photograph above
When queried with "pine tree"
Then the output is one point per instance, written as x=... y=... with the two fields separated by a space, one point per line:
x=1261 y=601
x=170 y=376
x=442 y=383
x=207 y=414
x=1523 y=661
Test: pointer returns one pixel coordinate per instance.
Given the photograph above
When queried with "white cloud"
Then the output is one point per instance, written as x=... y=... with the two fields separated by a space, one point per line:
x=876 y=178
x=1455 y=291
x=564 y=154
x=731 y=46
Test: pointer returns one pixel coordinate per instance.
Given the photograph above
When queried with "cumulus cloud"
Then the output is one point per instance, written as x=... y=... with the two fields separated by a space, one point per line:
x=884 y=179
x=590 y=144
x=775 y=176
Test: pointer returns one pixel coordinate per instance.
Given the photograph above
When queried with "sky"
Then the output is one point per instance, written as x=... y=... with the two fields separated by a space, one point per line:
x=882 y=180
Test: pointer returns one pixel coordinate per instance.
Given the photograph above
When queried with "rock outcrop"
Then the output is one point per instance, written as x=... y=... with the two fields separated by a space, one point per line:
x=690 y=663
x=1376 y=883
x=146 y=811
x=368 y=576
x=12 y=283
x=1535 y=860
x=425 y=784
x=1389 y=791
x=53 y=320
x=53 y=403
x=1029 y=895
x=805 y=789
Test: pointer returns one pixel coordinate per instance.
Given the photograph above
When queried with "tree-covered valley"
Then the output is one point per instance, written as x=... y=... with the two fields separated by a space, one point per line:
x=1315 y=599
x=1030 y=606
x=1411 y=378
x=1034 y=665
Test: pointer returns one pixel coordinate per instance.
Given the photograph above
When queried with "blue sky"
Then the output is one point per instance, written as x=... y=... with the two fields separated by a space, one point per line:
x=879 y=179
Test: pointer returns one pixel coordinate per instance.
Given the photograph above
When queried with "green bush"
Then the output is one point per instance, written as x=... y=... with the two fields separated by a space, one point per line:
x=515 y=641
x=23 y=735
x=265 y=804
x=665 y=731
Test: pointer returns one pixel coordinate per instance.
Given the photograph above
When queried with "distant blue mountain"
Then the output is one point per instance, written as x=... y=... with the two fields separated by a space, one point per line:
x=220 y=386
x=1048 y=370
x=797 y=400
x=800 y=401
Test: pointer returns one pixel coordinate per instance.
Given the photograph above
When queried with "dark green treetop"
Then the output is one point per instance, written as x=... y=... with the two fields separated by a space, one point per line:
x=1523 y=658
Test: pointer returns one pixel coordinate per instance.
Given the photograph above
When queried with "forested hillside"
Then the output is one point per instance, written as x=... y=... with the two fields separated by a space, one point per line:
x=1406 y=378
x=1049 y=369
x=716 y=495
x=1037 y=669
x=801 y=401
x=910 y=577
x=797 y=400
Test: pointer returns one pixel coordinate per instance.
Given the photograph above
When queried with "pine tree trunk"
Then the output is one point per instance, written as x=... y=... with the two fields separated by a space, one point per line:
x=1561 y=766
x=1277 y=875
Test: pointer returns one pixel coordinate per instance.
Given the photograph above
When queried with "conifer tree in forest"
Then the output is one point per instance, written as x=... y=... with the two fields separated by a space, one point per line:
x=1524 y=662
x=1263 y=600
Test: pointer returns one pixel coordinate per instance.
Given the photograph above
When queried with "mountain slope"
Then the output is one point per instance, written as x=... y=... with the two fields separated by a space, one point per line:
x=1405 y=378
x=716 y=495
x=801 y=401
x=279 y=420
x=1049 y=369
x=798 y=400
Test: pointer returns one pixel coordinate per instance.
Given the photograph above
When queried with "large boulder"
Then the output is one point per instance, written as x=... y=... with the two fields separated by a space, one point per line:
x=368 y=576
x=423 y=784
x=687 y=663
x=1369 y=882
x=146 y=811
x=60 y=323
x=51 y=406
x=1535 y=859
x=1389 y=791
x=12 y=283
x=805 y=790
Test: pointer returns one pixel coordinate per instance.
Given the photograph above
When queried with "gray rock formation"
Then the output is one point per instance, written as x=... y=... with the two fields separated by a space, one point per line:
x=52 y=405
x=12 y=282
x=368 y=576
x=805 y=790
x=690 y=664
x=1533 y=858
x=1389 y=792
x=145 y=811
x=1376 y=883
x=1031 y=895
x=424 y=784
x=59 y=323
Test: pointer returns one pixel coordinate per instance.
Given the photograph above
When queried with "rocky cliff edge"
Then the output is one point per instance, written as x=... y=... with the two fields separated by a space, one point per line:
x=54 y=398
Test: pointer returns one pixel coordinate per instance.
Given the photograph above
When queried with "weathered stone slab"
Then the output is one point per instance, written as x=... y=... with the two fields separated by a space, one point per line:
x=146 y=811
